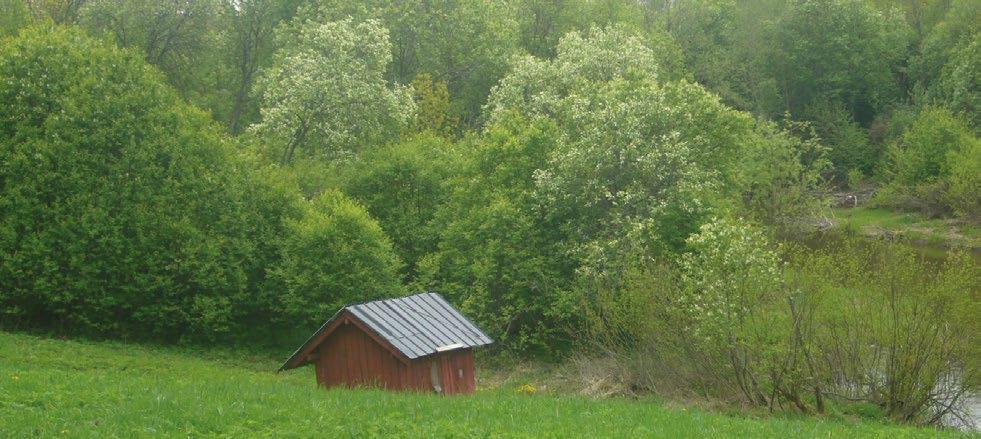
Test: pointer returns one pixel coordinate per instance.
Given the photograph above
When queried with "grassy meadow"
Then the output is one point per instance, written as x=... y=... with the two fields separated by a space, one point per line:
x=59 y=388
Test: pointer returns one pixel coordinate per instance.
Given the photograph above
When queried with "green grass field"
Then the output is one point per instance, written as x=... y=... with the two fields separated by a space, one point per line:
x=57 y=388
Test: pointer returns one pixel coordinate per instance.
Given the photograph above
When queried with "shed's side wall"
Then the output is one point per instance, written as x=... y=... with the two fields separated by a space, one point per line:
x=352 y=358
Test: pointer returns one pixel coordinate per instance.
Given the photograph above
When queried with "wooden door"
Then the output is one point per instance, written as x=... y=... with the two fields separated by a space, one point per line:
x=456 y=372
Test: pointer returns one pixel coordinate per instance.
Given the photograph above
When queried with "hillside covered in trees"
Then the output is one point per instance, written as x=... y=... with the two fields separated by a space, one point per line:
x=636 y=180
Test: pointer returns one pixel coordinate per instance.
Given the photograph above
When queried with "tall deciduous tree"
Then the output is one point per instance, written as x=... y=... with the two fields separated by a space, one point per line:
x=465 y=43
x=249 y=44
x=180 y=37
x=841 y=50
x=641 y=155
x=326 y=95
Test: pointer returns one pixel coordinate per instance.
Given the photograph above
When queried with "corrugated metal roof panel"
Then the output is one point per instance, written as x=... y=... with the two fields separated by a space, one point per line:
x=422 y=323
x=417 y=325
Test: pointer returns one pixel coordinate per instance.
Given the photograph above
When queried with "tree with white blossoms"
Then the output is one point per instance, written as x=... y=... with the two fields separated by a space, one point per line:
x=732 y=309
x=326 y=95
x=642 y=160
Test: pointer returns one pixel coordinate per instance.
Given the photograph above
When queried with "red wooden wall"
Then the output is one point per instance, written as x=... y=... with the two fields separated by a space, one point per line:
x=350 y=357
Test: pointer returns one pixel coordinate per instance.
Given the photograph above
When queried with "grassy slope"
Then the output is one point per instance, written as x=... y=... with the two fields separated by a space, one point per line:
x=85 y=389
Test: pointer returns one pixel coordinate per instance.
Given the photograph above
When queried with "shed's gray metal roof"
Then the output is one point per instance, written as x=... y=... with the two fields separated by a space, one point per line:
x=417 y=325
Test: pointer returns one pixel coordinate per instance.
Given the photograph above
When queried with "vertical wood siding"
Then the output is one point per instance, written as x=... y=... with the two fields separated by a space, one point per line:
x=350 y=357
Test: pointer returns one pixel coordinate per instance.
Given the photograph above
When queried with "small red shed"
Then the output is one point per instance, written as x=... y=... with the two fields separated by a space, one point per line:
x=418 y=342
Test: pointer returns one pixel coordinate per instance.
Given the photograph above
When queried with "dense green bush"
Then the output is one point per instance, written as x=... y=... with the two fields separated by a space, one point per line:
x=403 y=185
x=333 y=255
x=933 y=166
x=497 y=256
x=121 y=209
x=125 y=212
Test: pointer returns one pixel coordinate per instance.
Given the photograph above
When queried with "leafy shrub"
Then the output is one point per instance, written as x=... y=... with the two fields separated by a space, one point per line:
x=881 y=323
x=120 y=206
x=333 y=255
x=711 y=323
x=933 y=157
x=781 y=175
x=964 y=180
x=854 y=322
x=497 y=255
x=848 y=144
x=403 y=185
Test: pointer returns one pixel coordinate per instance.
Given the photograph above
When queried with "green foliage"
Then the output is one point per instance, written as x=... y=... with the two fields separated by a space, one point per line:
x=497 y=257
x=179 y=38
x=124 y=212
x=14 y=15
x=848 y=144
x=964 y=180
x=726 y=45
x=946 y=66
x=781 y=175
x=884 y=324
x=840 y=50
x=634 y=165
x=326 y=95
x=121 y=207
x=247 y=46
x=932 y=166
x=857 y=321
x=64 y=12
x=730 y=304
x=403 y=186
x=432 y=100
x=957 y=87
x=464 y=43
x=333 y=255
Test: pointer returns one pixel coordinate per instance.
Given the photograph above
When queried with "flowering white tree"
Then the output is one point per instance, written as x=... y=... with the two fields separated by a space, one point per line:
x=732 y=308
x=326 y=94
x=640 y=159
